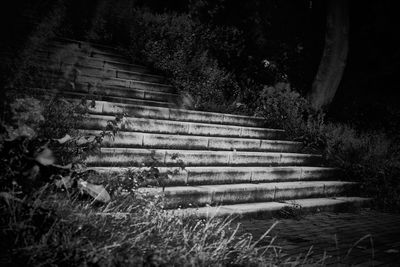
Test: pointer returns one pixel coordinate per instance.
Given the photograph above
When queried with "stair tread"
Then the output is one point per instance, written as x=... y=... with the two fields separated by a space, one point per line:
x=82 y=64
x=202 y=151
x=64 y=39
x=135 y=81
x=107 y=117
x=86 y=49
x=199 y=137
x=102 y=96
x=168 y=110
x=196 y=175
x=268 y=207
x=100 y=93
x=105 y=60
x=242 y=187
x=218 y=168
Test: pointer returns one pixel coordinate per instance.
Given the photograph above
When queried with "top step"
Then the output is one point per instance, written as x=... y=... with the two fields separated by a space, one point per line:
x=71 y=57
x=84 y=51
x=63 y=40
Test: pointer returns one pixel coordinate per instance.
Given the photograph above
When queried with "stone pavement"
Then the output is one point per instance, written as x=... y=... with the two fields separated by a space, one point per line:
x=363 y=238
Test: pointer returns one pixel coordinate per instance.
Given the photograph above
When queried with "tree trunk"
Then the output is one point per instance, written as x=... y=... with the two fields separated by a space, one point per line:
x=334 y=57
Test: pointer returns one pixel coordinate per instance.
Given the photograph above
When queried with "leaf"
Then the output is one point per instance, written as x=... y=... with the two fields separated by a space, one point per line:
x=65 y=167
x=7 y=197
x=98 y=192
x=22 y=130
x=64 y=182
x=63 y=140
x=33 y=172
x=85 y=140
x=45 y=157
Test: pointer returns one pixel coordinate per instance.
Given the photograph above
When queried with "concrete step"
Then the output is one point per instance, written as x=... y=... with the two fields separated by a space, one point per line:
x=151 y=140
x=229 y=175
x=97 y=89
x=84 y=81
x=84 y=50
x=99 y=82
x=186 y=196
x=70 y=57
x=79 y=44
x=78 y=95
x=109 y=108
x=96 y=71
x=274 y=209
x=129 y=157
x=99 y=122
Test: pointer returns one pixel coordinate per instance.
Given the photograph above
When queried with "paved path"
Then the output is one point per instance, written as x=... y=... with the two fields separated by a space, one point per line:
x=337 y=234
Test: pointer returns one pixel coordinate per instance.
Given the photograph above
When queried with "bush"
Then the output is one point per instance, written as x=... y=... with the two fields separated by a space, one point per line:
x=281 y=107
x=181 y=48
x=371 y=158
x=39 y=142
x=177 y=46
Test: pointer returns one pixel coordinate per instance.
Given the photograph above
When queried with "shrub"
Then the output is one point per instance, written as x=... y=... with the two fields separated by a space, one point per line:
x=282 y=107
x=177 y=46
x=370 y=157
x=39 y=142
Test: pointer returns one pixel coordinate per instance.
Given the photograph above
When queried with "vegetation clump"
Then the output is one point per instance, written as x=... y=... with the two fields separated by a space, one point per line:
x=369 y=157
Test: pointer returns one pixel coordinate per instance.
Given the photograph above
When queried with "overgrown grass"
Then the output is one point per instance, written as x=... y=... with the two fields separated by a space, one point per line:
x=62 y=230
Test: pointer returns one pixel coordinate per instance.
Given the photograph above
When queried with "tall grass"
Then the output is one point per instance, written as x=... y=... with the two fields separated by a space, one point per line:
x=64 y=230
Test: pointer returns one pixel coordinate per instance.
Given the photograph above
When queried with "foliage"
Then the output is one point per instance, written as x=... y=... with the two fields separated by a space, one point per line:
x=370 y=157
x=177 y=46
x=180 y=47
x=28 y=148
x=221 y=52
x=281 y=107
x=134 y=231
x=284 y=108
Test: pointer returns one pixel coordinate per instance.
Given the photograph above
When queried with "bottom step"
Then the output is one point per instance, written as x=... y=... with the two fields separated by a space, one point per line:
x=270 y=209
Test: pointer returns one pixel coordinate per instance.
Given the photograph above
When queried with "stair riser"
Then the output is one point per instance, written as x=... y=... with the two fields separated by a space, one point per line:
x=72 y=58
x=127 y=139
x=104 y=72
x=186 y=128
x=100 y=69
x=83 y=51
x=268 y=210
x=109 y=82
x=206 y=176
x=79 y=94
x=80 y=87
x=98 y=82
x=82 y=45
x=231 y=175
x=174 y=114
x=138 y=157
x=201 y=198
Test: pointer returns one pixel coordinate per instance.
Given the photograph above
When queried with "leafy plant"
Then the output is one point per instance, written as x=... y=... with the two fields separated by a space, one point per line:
x=370 y=157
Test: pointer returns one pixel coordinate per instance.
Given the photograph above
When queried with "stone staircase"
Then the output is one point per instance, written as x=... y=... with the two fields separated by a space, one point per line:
x=233 y=164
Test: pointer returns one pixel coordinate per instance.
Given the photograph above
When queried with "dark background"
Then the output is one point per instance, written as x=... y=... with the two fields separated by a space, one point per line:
x=368 y=94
